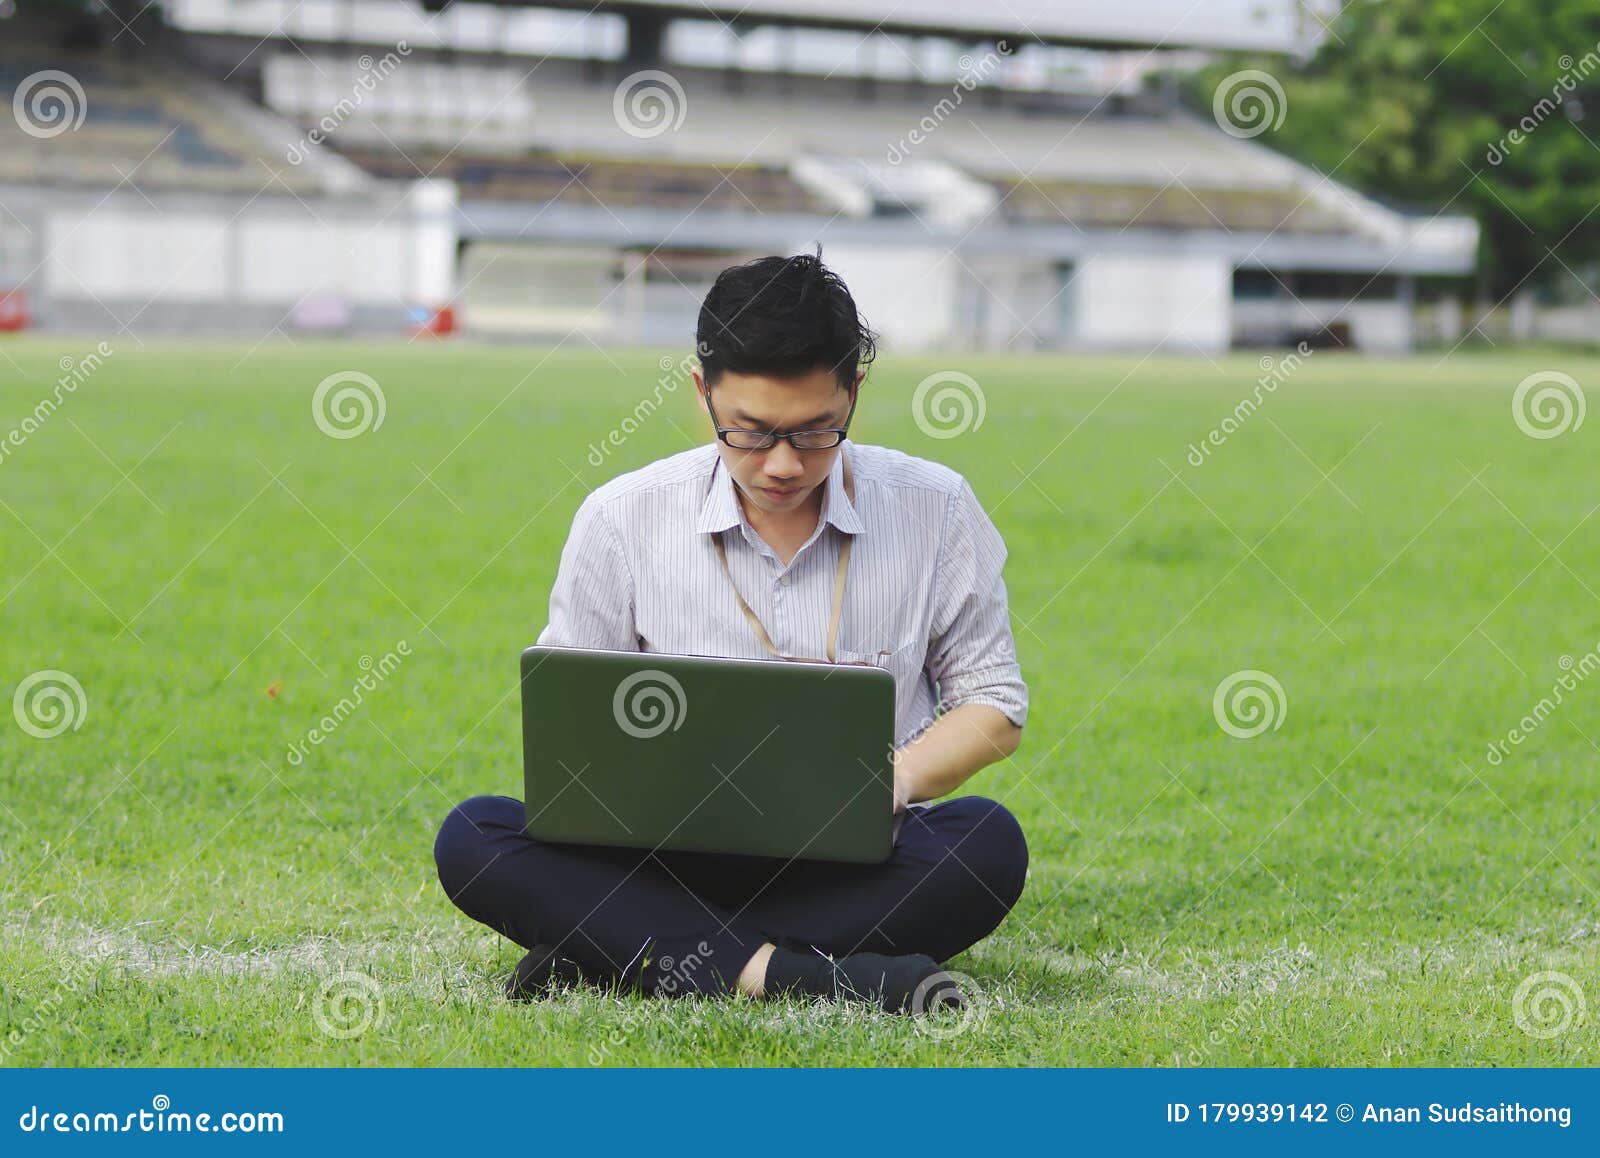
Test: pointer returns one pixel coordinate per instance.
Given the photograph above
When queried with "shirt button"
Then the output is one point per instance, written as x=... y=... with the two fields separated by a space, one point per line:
x=783 y=582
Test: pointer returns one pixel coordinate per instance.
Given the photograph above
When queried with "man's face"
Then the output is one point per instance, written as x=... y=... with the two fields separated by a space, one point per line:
x=782 y=479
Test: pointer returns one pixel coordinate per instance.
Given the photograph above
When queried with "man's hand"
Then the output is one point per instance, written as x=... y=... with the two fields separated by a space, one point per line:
x=902 y=782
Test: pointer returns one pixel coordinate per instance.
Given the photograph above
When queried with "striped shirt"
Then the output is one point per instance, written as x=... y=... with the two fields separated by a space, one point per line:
x=924 y=596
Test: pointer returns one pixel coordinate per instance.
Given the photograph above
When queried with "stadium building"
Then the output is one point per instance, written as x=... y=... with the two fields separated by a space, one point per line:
x=1011 y=177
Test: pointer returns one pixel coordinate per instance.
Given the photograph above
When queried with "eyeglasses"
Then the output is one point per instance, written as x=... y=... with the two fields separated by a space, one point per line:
x=742 y=439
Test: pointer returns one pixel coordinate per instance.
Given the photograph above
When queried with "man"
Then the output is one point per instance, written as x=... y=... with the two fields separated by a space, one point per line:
x=732 y=549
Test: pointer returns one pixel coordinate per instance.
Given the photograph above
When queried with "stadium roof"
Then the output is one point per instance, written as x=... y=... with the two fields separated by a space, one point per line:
x=1264 y=25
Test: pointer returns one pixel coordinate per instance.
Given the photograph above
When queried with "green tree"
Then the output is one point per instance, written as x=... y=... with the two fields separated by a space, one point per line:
x=1469 y=106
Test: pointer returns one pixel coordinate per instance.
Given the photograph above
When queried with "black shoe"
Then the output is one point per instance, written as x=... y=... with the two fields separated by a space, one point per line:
x=913 y=983
x=936 y=993
x=542 y=972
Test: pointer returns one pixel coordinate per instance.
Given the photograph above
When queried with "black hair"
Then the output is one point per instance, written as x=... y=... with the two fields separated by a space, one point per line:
x=782 y=317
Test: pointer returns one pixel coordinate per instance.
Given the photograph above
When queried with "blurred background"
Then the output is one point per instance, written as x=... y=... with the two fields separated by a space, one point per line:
x=1193 y=175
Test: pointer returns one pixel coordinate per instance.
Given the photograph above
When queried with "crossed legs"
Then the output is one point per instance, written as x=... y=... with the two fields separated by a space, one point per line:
x=676 y=923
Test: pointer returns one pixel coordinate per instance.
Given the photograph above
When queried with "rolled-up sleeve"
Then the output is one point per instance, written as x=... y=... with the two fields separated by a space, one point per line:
x=972 y=656
x=591 y=604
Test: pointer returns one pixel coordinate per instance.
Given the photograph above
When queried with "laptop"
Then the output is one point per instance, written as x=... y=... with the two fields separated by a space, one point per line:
x=772 y=758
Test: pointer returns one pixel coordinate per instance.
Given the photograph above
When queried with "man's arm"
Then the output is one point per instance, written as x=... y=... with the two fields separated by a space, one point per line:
x=944 y=757
x=972 y=657
x=591 y=603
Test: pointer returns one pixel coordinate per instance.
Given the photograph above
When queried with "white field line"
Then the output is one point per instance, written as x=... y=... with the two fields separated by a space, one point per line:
x=420 y=953
x=1190 y=976
x=432 y=959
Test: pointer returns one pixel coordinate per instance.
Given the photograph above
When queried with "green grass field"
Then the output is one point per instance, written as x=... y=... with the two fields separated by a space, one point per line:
x=1360 y=885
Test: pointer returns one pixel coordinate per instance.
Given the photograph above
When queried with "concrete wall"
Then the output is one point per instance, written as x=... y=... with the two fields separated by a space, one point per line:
x=220 y=263
x=226 y=264
x=907 y=294
x=1007 y=303
x=1144 y=300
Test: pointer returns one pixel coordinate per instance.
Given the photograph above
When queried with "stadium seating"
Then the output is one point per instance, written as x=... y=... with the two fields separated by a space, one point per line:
x=1175 y=206
x=140 y=127
x=600 y=181
x=739 y=150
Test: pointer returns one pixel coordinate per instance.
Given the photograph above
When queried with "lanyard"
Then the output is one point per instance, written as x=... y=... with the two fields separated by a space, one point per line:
x=834 y=615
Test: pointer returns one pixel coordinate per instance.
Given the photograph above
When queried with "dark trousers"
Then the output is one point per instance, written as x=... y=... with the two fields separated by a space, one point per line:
x=678 y=923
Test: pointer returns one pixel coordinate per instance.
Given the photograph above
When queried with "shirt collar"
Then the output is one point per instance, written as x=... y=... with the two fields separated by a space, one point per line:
x=721 y=510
